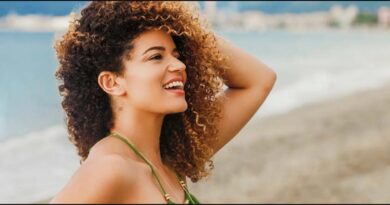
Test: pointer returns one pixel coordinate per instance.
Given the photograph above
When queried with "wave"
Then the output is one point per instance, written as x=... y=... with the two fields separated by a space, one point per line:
x=2 y=117
x=322 y=86
x=35 y=166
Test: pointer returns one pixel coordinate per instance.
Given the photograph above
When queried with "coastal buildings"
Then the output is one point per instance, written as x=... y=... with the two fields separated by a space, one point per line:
x=384 y=16
x=336 y=17
x=343 y=17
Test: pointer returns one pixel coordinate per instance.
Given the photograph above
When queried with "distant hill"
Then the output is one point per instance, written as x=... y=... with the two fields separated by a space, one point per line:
x=64 y=7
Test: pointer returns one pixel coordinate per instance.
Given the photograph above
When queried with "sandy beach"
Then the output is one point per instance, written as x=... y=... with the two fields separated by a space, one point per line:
x=336 y=151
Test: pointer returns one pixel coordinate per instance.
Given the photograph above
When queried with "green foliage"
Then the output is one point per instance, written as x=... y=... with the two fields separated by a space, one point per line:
x=365 y=19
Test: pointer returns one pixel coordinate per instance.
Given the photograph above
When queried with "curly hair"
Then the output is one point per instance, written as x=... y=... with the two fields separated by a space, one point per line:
x=101 y=37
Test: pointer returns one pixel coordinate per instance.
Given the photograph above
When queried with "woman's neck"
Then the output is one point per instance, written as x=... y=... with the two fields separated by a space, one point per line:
x=143 y=129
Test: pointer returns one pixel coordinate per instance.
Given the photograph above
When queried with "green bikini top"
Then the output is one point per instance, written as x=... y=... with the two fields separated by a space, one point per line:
x=189 y=198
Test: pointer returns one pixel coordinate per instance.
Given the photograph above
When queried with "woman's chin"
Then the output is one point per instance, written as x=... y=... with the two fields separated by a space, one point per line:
x=179 y=108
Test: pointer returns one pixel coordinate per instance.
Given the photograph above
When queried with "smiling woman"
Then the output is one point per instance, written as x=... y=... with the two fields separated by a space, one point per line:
x=142 y=91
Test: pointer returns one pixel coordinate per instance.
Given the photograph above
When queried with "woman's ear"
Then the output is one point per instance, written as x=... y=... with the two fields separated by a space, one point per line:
x=111 y=83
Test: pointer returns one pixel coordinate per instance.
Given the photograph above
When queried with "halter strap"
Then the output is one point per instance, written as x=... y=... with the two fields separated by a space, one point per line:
x=166 y=195
x=142 y=157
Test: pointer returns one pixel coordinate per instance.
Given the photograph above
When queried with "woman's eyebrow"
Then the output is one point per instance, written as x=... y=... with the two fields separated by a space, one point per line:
x=161 y=48
x=154 y=48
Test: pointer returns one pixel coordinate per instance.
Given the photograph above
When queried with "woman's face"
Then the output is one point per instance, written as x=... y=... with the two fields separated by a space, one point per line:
x=152 y=65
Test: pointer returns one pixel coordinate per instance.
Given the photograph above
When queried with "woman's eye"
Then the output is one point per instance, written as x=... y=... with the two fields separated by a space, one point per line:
x=156 y=57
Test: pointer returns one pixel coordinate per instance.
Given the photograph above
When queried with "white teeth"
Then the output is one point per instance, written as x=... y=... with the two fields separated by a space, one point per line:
x=178 y=84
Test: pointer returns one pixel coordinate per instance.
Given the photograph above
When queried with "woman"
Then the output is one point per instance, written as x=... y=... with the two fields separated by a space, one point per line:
x=142 y=87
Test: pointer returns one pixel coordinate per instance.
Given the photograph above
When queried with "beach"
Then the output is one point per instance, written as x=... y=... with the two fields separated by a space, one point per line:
x=305 y=144
x=321 y=136
x=334 y=151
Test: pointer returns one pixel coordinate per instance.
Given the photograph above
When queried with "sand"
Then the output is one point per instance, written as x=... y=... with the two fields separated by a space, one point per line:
x=336 y=151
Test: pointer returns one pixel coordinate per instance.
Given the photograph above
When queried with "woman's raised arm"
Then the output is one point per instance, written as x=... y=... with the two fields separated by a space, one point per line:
x=249 y=82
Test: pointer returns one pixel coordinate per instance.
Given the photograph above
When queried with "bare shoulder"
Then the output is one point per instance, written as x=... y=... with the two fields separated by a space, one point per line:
x=106 y=178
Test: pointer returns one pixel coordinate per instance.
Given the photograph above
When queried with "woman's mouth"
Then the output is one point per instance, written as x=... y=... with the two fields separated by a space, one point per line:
x=176 y=91
x=176 y=87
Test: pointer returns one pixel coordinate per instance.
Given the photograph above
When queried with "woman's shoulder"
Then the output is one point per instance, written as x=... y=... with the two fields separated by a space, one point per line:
x=104 y=177
x=116 y=152
x=111 y=164
x=111 y=157
x=98 y=180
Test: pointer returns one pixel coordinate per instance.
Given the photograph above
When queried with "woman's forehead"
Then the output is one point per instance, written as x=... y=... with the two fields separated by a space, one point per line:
x=152 y=38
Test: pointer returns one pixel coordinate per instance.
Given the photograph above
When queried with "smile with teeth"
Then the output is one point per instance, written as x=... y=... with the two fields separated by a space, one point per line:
x=175 y=85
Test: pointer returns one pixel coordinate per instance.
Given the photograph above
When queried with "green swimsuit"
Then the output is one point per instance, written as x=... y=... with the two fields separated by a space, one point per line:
x=189 y=198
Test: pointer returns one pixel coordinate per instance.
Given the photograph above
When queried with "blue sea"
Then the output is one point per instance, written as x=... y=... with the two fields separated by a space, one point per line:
x=36 y=159
x=30 y=100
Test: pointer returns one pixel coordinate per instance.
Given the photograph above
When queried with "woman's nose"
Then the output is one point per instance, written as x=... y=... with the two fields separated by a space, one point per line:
x=176 y=65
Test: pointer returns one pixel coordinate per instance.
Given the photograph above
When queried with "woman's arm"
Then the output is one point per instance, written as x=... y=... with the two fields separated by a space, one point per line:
x=249 y=82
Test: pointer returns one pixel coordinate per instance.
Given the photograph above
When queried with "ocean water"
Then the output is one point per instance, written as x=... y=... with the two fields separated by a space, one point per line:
x=29 y=99
x=318 y=65
x=36 y=159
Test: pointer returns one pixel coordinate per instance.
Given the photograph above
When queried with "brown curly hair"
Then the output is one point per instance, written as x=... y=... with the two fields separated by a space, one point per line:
x=101 y=37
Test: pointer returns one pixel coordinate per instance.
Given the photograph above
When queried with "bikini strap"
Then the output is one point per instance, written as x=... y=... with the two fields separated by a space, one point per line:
x=125 y=140
x=182 y=183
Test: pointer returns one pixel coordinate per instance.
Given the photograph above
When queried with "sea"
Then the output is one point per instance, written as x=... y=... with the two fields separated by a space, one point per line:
x=36 y=157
